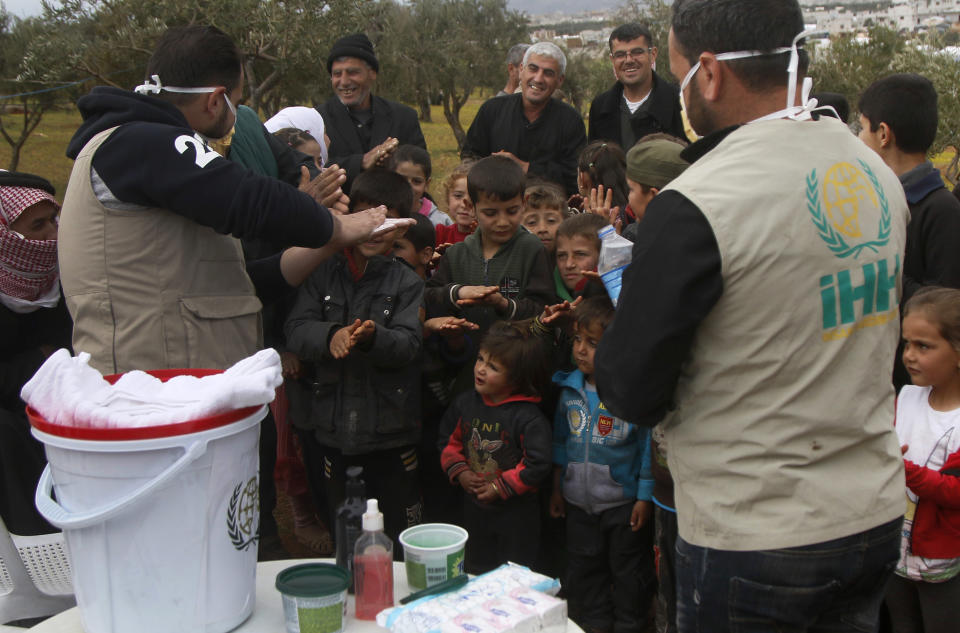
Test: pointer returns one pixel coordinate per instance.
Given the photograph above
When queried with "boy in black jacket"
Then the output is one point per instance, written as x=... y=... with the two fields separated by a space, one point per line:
x=357 y=321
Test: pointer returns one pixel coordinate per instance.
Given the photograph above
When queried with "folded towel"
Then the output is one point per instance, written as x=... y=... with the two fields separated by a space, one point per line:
x=67 y=391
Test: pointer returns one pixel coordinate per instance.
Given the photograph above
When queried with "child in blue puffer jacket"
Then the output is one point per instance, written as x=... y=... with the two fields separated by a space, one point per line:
x=603 y=485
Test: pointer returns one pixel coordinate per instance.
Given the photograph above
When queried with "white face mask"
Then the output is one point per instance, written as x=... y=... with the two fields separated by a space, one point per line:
x=796 y=112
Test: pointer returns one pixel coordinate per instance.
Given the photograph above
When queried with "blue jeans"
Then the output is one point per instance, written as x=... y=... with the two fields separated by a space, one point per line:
x=832 y=586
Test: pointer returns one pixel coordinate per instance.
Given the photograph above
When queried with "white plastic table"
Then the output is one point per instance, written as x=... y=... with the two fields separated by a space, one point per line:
x=268 y=612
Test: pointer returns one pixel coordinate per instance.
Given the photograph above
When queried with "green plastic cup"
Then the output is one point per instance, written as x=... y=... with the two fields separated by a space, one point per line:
x=314 y=597
x=433 y=553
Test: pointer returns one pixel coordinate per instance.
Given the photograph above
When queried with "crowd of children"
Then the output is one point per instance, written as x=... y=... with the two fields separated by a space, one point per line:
x=427 y=356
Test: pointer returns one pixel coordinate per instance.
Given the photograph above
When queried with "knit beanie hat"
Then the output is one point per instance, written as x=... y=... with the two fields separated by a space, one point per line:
x=357 y=45
x=655 y=163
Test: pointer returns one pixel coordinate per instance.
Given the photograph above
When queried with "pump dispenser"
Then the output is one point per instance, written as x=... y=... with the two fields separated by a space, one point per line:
x=373 y=566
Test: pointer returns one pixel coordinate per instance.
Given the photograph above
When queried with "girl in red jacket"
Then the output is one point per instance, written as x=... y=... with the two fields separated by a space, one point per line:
x=924 y=593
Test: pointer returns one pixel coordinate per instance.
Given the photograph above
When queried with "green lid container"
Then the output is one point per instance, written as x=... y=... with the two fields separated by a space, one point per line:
x=314 y=597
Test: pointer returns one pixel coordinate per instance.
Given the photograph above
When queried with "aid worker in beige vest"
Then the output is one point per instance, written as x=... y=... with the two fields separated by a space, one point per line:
x=150 y=259
x=757 y=324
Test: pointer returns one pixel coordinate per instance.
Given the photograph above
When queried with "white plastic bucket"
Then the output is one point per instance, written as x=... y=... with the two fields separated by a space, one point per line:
x=433 y=553
x=161 y=523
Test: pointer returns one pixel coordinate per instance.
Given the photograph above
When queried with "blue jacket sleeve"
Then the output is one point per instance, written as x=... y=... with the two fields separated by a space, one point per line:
x=561 y=429
x=644 y=468
x=164 y=166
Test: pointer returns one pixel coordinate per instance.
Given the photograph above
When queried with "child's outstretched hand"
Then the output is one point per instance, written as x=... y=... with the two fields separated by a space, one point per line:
x=557 y=311
x=481 y=295
x=448 y=326
x=640 y=514
x=558 y=506
x=471 y=482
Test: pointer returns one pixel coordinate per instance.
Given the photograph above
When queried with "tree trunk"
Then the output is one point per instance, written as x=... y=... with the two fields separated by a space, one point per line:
x=423 y=101
x=451 y=113
x=31 y=118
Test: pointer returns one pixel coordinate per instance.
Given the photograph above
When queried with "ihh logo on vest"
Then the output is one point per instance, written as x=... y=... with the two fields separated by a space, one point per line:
x=864 y=295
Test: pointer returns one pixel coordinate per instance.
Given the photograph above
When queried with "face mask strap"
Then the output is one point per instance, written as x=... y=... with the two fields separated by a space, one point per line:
x=156 y=87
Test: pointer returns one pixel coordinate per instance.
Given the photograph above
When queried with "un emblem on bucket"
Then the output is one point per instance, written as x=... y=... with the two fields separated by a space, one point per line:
x=243 y=514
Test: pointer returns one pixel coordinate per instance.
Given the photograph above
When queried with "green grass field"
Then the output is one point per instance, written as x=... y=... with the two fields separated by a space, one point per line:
x=45 y=151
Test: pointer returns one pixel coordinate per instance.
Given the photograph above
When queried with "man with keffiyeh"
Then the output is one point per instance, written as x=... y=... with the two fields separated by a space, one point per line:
x=34 y=322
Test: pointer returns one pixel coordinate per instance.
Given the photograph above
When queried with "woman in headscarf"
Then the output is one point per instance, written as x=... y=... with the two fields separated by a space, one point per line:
x=34 y=322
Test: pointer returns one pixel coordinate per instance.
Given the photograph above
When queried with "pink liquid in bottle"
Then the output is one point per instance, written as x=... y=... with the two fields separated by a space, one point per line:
x=373 y=582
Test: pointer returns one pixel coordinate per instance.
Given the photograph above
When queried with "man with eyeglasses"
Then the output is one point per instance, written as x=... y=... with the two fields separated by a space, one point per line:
x=641 y=102
x=541 y=134
x=757 y=325
x=151 y=269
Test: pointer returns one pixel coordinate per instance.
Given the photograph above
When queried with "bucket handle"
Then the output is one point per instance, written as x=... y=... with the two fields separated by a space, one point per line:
x=66 y=520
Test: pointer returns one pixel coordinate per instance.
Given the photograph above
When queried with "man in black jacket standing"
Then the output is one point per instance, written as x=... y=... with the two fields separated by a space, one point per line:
x=640 y=103
x=364 y=129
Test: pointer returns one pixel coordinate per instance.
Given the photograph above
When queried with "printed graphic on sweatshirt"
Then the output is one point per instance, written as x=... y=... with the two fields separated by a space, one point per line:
x=577 y=417
x=480 y=455
x=510 y=287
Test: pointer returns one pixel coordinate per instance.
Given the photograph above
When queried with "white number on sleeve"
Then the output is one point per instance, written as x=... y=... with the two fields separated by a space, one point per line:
x=203 y=155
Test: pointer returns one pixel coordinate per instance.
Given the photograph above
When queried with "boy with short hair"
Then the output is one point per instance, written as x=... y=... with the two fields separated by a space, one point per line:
x=415 y=247
x=578 y=250
x=499 y=271
x=602 y=484
x=651 y=164
x=545 y=207
x=898 y=118
x=356 y=321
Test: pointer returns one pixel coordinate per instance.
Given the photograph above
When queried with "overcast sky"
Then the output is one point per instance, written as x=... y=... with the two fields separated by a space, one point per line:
x=33 y=7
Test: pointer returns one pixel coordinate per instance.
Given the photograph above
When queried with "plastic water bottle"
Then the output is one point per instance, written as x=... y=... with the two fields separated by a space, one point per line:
x=616 y=253
x=373 y=566
x=349 y=519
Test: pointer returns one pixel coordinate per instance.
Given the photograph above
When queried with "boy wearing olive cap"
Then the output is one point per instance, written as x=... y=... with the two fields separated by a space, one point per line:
x=651 y=164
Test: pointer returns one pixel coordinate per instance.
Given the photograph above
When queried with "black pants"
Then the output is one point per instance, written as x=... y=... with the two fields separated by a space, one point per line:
x=21 y=461
x=392 y=478
x=923 y=607
x=610 y=576
x=501 y=532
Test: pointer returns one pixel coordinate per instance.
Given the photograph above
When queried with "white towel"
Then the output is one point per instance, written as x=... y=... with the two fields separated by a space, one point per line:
x=67 y=391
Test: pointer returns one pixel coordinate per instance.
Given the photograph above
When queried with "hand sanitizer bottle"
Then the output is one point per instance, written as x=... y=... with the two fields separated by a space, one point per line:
x=373 y=566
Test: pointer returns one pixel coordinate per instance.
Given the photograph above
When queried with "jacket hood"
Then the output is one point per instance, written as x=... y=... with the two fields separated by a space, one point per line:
x=107 y=107
x=573 y=379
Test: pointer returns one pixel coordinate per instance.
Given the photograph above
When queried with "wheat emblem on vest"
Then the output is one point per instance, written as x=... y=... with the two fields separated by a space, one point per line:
x=835 y=204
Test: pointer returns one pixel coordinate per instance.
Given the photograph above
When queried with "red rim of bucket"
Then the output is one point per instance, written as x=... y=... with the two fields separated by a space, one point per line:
x=144 y=432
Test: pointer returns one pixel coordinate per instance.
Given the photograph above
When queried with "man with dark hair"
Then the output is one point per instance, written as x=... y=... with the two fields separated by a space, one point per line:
x=640 y=103
x=754 y=325
x=514 y=64
x=150 y=273
x=898 y=120
x=364 y=129
x=541 y=134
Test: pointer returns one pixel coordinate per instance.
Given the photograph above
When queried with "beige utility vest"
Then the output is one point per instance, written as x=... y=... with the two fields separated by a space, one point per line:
x=783 y=434
x=149 y=289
